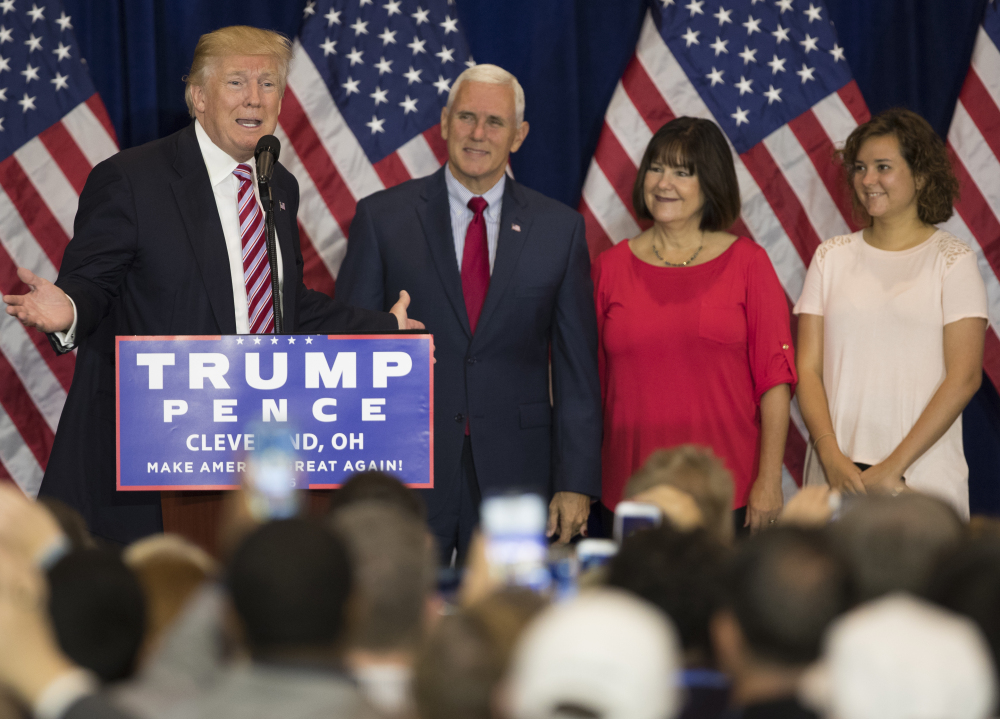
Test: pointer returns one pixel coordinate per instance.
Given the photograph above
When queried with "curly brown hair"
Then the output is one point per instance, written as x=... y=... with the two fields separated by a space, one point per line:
x=923 y=151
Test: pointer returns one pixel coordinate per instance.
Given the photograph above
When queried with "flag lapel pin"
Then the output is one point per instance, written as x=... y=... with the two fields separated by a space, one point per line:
x=516 y=228
x=281 y=204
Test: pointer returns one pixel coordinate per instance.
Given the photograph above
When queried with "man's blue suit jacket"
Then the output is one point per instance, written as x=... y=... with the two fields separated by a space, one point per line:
x=540 y=297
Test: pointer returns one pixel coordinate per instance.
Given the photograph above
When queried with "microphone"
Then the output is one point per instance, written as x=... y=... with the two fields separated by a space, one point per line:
x=266 y=154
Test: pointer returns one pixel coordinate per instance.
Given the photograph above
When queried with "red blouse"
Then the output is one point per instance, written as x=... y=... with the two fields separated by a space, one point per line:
x=685 y=355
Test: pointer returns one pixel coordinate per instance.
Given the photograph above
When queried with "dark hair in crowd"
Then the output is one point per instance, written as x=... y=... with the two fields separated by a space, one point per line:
x=380 y=487
x=289 y=582
x=923 y=151
x=700 y=148
x=785 y=587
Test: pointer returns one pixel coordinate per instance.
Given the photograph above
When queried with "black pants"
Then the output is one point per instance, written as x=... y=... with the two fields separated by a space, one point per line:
x=453 y=527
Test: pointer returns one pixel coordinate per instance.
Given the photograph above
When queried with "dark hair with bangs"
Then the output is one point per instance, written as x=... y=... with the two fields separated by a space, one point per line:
x=699 y=147
x=923 y=151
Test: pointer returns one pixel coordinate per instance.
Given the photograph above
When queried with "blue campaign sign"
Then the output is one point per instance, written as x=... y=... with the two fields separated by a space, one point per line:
x=193 y=410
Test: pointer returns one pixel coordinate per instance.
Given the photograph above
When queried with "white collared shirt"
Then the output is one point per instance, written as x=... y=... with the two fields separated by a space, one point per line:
x=458 y=201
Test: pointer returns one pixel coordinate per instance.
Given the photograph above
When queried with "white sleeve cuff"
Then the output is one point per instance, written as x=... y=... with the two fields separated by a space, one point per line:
x=63 y=692
x=68 y=338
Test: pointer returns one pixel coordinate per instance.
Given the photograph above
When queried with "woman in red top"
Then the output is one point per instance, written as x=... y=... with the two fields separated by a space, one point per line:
x=694 y=341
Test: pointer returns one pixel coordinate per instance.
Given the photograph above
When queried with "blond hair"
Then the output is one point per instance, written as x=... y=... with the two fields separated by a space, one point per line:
x=236 y=40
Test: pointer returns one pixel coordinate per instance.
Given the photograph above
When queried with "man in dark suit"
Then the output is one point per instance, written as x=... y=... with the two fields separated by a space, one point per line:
x=160 y=243
x=501 y=275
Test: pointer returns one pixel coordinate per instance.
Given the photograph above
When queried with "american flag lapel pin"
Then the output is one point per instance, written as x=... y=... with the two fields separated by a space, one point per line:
x=281 y=204
x=515 y=227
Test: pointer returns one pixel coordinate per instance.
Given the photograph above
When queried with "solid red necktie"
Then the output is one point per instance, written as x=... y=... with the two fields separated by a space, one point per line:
x=475 y=263
x=256 y=268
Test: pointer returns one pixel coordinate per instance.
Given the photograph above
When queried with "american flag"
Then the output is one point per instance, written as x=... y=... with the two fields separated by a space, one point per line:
x=362 y=111
x=773 y=77
x=53 y=130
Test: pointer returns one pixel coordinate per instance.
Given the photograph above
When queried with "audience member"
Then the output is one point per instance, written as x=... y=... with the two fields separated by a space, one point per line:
x=28 y=528
x=381 y=487
x=603 y=655
x=785 y=587
x=504 y=615
x=901 y=658
x=70 y=521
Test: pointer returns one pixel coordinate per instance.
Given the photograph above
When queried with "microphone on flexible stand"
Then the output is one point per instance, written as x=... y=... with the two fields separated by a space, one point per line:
x=266 y=155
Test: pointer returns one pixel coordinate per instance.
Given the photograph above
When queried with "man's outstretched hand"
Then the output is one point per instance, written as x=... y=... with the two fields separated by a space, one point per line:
x=398 y=309
x=45 y=307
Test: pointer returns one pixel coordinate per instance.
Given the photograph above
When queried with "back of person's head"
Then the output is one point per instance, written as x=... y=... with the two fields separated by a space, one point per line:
x=394 y=563
x=604 y=654
x=697 y=471
x=380 y=487
x=289 y=582
x=679 y=572
x=784 y=588
x=899 y=657
x=97 y=611
x=893 y=543
x=504 y=614
x=71 y=522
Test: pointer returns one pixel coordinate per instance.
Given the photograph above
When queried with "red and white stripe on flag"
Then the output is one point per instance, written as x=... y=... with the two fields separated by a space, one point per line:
x=793 y=196
x=40 y=185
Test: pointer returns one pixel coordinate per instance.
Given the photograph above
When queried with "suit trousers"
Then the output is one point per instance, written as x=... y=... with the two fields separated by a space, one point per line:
x=453 y=524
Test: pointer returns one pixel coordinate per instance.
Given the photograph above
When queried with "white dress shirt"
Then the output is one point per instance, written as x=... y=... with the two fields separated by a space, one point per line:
x=458 y=200
x=226 y=187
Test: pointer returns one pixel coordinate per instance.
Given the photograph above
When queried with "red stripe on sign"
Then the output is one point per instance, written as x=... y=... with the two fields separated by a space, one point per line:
x=821 y=151
x=67 y=155
x=392 y=170
x=437 y=143
x=991 y=357
x=28 y=421
x=795 y=453
x=617 y=167
x=977 y=214
x=855 y=101
x=42 y=224
x=597 y=238
x=782 y=200
x=317 y=162
x=978 y=102
x=315 y=275
x=101 y=113
x=643 y=93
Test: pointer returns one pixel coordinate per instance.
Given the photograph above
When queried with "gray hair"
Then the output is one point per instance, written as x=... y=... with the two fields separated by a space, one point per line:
x=492 y=75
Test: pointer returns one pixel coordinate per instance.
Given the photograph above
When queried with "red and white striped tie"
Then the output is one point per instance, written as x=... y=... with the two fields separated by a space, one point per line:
x=256 y=269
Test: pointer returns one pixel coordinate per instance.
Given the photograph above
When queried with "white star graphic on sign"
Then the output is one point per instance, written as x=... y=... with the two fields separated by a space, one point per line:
x=810 y=43
x=442 y=84
x=387 y=36
x=360 y=27
x=393 y=7
x=445 y=54
x=291 y=340
x=333 y=17
x=37 y=13
x=449 y=25
x=256 y=340
x=375 y=125
x=806 y=73
x=752 y=25
x=691 y=37
x=380 y=95
x=740 y=116
x=33 y=43
x=417 y=45
x=63 y=21
x=421 y=15
x=309 y=340
x=239 y=340
x=723 y=16
x=60 y=81
x=777 y=64
x=274 y=340
x=715 y=76
x=355 y=56
x=773 y=94
x=30 y=73
x=27 y=103
x=719 y=46
x=384 y=66
x=748 y=55
x=412 y=76
x=329 y=47
x=62 y=51
x=813 y=12
x=695 y=7
x=6 y=35
x=4 y=63
x=309 y=9
x=837 y=52
x=351 y=86
x=408 y=105
x=781 y=33
x=3 y=94
x=783 y=5
x=7 y=6
x=744 y=86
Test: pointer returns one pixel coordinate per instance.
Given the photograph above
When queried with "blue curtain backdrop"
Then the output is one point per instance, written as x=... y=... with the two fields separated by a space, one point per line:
x=568 y=54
